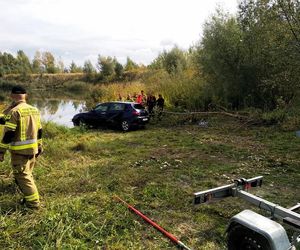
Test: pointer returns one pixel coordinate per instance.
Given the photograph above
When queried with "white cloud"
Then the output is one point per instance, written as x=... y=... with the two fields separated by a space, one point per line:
x=80 y=30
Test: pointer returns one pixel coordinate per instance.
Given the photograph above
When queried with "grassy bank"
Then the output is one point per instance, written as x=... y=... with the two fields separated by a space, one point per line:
x=157 y=170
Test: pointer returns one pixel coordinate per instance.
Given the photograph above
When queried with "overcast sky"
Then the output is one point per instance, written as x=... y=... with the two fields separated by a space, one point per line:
x=79 y=30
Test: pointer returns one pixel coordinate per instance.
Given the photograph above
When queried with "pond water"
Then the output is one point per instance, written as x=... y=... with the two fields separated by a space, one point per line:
x=56 y=108
x=59 y=111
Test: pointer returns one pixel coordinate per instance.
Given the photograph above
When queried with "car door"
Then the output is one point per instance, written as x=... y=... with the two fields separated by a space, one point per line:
x=115 y=113
x=100 y=112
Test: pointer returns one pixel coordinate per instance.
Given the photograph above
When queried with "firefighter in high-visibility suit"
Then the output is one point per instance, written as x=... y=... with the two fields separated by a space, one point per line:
x=22 y=136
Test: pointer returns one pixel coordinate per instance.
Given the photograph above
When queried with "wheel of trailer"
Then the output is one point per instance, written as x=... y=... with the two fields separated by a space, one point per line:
x=125 y=126
x=242 y=238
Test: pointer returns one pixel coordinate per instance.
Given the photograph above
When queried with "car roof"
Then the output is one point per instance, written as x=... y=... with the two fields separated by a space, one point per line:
x=116 y=102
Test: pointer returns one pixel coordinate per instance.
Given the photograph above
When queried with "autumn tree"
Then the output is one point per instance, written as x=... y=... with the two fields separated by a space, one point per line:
x=48 y=62
x=23 y=63
x=60 y=66
x=119 y=69
x=8 y=64
x=37 y=63
x=106 y=66
x=89 y=70
x=74 y=68
x=173 y=61
x=252 y=59
x=130 y=65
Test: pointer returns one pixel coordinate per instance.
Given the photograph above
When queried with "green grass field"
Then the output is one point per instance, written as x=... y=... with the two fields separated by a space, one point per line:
x=156 y=169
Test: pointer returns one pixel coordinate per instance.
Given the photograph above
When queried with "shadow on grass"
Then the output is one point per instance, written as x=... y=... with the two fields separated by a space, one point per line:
x=8 y=188
x=8 y=204
x=8 y=207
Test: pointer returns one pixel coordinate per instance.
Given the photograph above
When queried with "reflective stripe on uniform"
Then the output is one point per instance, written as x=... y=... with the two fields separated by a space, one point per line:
x=23 y=129
x=23 y=113
x=28 y=111
x=11 y=125
x=39 y=122
x=32 y=197
x=2 y=145
x=26 y=146
x=18 y=143
x=25 y=137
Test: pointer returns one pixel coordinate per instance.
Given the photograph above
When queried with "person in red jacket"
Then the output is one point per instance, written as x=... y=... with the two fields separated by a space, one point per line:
x=141 y=99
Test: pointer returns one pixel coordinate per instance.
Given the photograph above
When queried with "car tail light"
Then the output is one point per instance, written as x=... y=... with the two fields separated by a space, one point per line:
x=134 y=112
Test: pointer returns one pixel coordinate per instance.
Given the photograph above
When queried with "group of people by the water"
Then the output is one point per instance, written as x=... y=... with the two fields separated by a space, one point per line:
x=148 y=101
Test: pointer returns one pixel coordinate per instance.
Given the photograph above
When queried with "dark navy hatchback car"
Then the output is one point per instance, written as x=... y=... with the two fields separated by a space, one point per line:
x=123 y=115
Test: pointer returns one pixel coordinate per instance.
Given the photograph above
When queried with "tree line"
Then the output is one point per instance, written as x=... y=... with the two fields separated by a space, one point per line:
x=251 y=59
x=45 y=62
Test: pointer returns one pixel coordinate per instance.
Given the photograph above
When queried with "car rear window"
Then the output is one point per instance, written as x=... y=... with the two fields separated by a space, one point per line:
x=138 y=106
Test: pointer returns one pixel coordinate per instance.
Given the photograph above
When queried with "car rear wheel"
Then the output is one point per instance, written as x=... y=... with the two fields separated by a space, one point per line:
x=125 y=126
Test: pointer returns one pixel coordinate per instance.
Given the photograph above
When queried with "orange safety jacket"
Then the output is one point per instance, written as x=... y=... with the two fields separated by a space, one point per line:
x=22 y=133
x=141 y=99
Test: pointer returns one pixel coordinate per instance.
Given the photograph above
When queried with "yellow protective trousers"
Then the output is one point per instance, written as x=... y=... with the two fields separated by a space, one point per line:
x=22 y=168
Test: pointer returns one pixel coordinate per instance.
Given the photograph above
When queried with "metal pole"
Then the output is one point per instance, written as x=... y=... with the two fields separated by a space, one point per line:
x=159 y=228
x=275 y=210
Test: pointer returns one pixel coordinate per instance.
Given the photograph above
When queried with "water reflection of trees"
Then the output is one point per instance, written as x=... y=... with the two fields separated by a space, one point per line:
x=61 y=94
x=52 y=106
x=46 y=105
x=75 y=105
x=49 y=102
